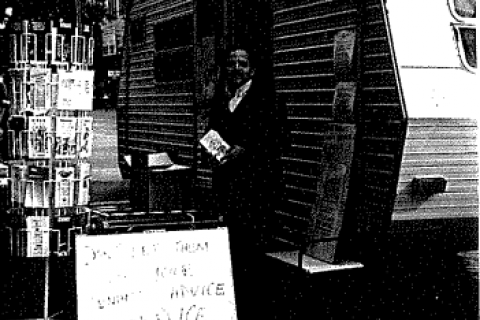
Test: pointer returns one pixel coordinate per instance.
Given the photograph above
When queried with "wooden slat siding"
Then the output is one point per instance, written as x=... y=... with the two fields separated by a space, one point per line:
x=142 y=54
x=167 y=87
x=182 y=132
x=210 y=18
x=160 y=115
x=380 y=96
x=406 y=203
x=381 y=129
x=303 y=67
x=439 y=211
x=175 y=119
x=299 y=62
x=446 y=147
x=288 y=227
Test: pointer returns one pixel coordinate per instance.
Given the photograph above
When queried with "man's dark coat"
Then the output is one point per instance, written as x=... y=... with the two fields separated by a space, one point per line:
x=245 y=187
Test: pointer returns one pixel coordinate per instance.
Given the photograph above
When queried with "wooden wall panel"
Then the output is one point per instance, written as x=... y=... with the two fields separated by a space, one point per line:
x=158 y=115
x=303 y=41
x=381 y=129
x=303 y=65
x=444 y=147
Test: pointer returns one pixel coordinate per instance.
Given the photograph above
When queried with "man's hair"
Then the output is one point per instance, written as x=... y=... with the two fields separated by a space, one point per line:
x=4 y=9
x=247 y=48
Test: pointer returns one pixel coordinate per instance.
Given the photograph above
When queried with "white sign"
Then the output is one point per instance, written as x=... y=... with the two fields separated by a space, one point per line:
x=75 y=90
x=176 y=275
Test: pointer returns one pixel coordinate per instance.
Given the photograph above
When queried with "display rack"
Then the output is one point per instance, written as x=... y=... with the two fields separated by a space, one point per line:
x=50 y=140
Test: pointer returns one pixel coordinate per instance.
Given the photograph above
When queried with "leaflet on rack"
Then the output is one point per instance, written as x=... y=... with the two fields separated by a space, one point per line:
x=75 y=90
x=39 y=93
x=38 y=236
x=35 y=186
x=55 y=90
x=83 y=195
x=17 y=90
x=18 y=175
x=65 y=146
x=39 y=137
x=35 y=194
x=85 y=127
x=64 y=187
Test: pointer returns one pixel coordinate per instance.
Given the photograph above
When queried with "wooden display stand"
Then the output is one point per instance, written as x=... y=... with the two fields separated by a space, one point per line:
x=328 y=226
x=50 y=142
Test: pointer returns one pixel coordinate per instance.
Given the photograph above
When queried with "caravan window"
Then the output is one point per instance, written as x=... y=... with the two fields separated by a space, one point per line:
x=468 y=37
x=174 y=49
x=138 y=30
x=464 y=9
x=465 y=12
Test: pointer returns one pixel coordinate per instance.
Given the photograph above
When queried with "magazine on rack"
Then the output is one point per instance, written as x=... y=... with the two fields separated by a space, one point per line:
x=83 y=186
x=65 y=137
x=215 y=145
x=64 y=187
x=39 y=93
x=40 y=133
x=85 y=128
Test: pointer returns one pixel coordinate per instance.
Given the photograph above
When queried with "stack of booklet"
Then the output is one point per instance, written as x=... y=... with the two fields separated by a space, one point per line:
x=215 y=145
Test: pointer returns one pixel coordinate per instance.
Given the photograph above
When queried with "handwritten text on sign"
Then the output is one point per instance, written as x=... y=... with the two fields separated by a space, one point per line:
x=179 y=275
x=75 y=90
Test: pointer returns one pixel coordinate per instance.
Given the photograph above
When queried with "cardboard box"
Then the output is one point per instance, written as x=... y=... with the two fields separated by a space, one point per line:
x=159 y=189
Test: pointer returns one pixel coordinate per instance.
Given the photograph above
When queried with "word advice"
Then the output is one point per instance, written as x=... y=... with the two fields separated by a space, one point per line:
x=212 y=289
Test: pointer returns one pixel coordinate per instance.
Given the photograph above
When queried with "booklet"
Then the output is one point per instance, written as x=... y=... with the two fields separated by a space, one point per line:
x=85 y=128
x=40 y=133
x=215 y=144
x=66 y=146
x=64 y=189
x=82 y=192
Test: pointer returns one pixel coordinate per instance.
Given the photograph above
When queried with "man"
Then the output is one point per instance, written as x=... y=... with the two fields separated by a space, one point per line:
x=6 y=16
x=247 y=115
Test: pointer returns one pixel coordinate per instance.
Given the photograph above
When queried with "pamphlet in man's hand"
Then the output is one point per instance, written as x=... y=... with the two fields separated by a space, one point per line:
x=215 y=144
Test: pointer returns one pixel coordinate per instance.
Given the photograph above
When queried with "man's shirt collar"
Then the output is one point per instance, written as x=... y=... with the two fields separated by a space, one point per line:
x=239 y=94
x=243 y=89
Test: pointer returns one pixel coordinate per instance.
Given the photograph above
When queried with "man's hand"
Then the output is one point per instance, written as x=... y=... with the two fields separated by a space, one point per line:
x=233 y=153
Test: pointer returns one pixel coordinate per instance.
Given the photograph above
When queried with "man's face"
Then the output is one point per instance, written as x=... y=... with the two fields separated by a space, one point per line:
x=7 y=14
x=239 y=70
